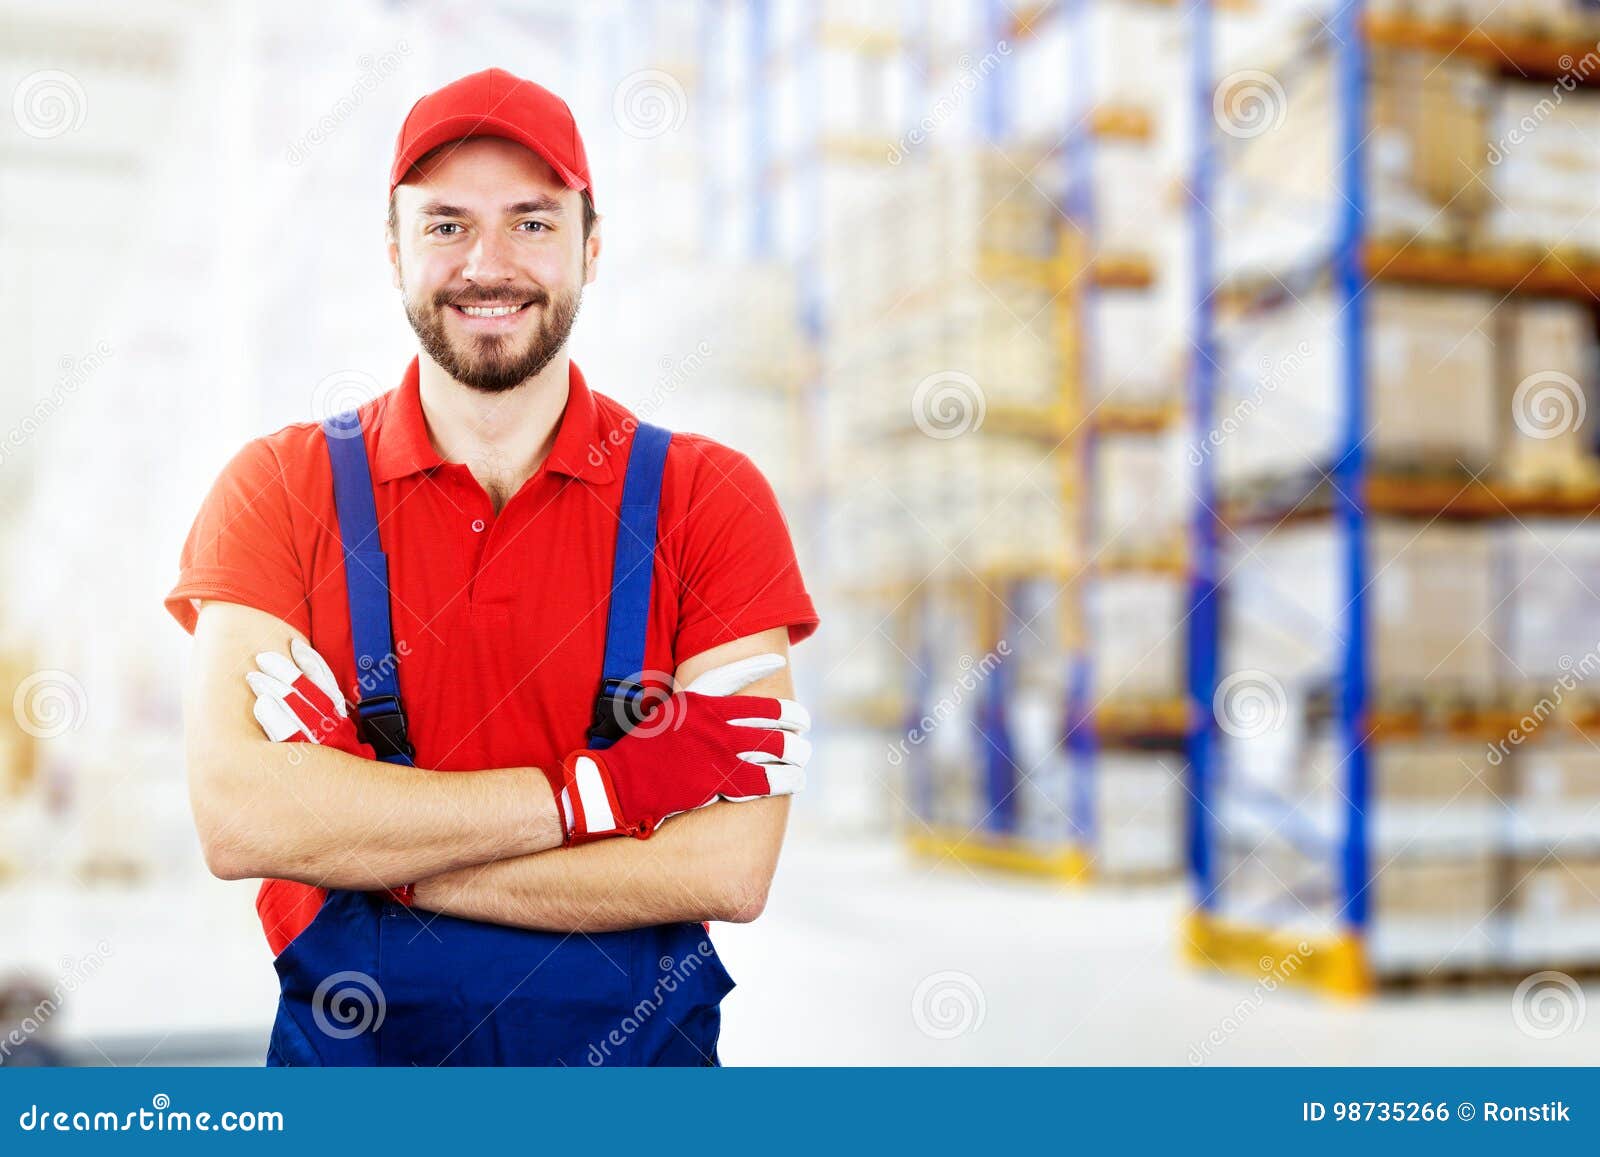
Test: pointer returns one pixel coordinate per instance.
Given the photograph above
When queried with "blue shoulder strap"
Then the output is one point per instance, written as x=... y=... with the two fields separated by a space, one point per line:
x=380 y=717
x=616 y=706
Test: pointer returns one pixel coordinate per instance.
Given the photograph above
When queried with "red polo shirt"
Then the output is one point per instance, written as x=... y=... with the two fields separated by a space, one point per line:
x=499 y=619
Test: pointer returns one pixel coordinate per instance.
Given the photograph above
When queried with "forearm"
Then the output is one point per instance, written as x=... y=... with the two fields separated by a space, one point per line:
x=305 y=812
x=712 y=864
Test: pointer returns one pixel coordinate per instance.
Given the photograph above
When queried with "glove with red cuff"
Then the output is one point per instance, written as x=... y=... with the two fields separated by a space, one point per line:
x=701 y=745
x=298 y=699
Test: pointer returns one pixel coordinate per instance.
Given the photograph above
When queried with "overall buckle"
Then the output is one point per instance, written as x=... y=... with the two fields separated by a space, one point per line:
x=616 y=709
x=383 y=725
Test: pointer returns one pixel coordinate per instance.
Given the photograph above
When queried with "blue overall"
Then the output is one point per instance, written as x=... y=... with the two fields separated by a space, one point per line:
x=371 y=982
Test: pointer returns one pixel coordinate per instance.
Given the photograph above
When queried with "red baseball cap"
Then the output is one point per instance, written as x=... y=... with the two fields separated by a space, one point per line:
x=494 y=103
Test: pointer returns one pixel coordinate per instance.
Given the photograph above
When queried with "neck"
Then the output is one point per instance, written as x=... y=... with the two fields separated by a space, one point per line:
x=502 y=438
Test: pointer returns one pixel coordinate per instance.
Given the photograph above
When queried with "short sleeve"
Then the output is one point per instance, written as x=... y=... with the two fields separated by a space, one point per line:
x=738 y=573
x=241 y=546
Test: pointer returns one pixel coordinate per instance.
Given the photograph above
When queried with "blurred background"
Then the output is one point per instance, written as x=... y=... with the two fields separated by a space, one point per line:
x=1184 y=413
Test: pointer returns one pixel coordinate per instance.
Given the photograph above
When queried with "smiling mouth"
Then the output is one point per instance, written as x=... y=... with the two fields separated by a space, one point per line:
x=480 y=311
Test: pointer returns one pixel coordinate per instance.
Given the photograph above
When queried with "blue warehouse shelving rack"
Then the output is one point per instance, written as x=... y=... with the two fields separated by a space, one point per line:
x=1038 y=609
x=1357 y=490
x=1099 y=723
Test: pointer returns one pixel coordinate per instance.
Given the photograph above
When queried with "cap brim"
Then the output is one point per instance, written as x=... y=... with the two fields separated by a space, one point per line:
x=466 y=126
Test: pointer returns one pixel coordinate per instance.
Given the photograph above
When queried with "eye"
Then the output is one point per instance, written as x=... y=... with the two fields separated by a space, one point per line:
x=536 y=225
x=445 y=225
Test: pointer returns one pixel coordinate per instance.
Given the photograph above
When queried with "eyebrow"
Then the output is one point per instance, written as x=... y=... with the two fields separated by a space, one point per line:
x=540 y=204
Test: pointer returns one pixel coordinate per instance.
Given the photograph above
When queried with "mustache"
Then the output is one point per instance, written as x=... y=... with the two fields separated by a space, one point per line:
x=499 y=297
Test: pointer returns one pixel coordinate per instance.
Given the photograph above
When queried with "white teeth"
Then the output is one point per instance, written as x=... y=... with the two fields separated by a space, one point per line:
x=489 y=311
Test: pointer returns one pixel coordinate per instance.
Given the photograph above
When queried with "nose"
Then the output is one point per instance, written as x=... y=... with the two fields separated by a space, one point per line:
x=489 y=261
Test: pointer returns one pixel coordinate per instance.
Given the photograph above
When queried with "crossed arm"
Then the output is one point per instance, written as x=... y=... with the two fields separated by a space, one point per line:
x=484 y=845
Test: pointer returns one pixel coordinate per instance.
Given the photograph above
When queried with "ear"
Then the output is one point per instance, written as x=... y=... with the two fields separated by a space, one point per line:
x=392 y=247
x=591 y=251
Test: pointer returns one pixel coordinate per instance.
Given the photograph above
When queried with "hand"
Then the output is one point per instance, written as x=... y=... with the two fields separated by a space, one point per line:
x=702 y=744
x=298 y=699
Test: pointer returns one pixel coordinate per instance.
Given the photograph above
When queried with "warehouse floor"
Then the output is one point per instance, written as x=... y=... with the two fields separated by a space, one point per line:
x=1083 y=976
x=1033 y=973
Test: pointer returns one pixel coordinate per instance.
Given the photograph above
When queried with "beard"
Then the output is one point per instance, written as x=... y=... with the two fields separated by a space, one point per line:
x=493 y=363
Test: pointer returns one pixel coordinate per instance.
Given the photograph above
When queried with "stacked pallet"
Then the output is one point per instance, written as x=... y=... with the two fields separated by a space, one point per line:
x=1457 y=381
x=946 y=414
x=945 y=367
x=1436 y=550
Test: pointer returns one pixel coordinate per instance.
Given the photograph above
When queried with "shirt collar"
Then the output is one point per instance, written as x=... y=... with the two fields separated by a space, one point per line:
x=402 y=444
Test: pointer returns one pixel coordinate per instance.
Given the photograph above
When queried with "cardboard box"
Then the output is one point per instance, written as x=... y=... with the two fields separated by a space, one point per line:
x=1546 y=622
x=1464 y=888
x=1430 y=795
x=1138 y=821
x=1432 y=599
x=1432 y=396
x=1137 y=637
x=1426 y=145
x=1548 y=362
x=1141 y=494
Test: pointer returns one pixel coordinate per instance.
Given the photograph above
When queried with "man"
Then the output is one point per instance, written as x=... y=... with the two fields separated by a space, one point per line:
x=466 y=556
